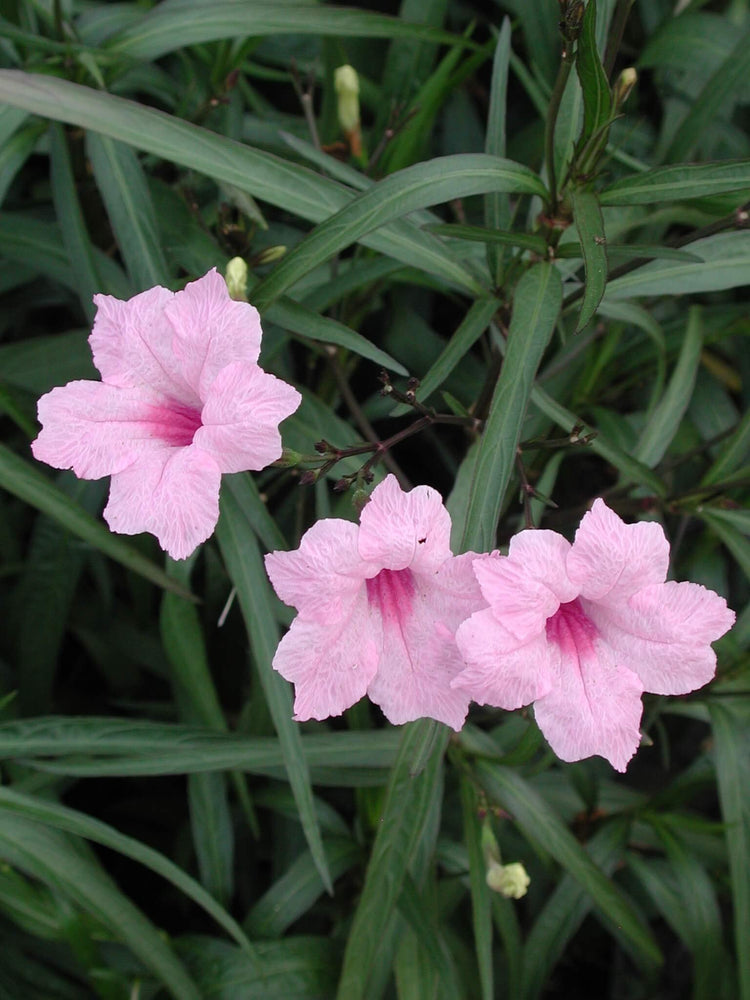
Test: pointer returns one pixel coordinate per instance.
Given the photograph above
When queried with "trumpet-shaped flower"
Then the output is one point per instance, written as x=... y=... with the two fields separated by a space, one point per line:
x=583 y=630
x=181 y=401
x=378 y=606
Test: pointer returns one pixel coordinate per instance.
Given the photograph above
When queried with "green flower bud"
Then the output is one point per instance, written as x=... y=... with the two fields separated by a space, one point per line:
x=510 y=880
x=346 y=82
x=236 y=279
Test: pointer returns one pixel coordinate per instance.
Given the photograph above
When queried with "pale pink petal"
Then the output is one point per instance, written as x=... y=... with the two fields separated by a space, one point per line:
x=498 y=669
x=241 y=417
x=323 y=577
x=419 y=657
x=399 y=529
x=211 y=331
x=329 y=665
x=611 y=560
x=173 y=493
x=132 y=344
x=663 y=634
x=98 y=429
x=594 y=707
x=526 y=587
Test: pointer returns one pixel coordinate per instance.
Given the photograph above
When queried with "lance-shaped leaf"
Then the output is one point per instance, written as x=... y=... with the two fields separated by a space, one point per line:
x=590 y=224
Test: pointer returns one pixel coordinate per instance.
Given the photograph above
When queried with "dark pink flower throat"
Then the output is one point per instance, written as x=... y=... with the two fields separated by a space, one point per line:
x=391 y=592
x=572 y=630
x=174 y=424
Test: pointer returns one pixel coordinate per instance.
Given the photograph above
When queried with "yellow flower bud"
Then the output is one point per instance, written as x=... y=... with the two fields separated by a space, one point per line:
x=510 y=881
x=623 y=85
x=236 y=279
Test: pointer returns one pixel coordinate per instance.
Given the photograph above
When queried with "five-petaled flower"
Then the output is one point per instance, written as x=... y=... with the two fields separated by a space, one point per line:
x=181 y=401
x=378 y=605
x=583 y=630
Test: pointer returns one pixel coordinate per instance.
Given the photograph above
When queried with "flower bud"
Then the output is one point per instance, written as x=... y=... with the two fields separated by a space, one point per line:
x=510 y=881
x=623 y=85
x=236 y=279
x=346 y=82
x=270 y=255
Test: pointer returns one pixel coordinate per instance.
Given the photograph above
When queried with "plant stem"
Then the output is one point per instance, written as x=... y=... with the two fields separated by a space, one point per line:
x=616 y=31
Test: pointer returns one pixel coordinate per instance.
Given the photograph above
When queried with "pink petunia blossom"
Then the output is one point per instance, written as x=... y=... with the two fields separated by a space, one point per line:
x=378 y=605
x=181 y=401
x=583 y=630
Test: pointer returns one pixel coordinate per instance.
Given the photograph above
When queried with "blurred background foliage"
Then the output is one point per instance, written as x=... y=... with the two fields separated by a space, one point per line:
x=165 y=829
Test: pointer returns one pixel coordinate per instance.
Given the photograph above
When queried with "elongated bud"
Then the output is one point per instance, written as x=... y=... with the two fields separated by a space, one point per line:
x=270 y=255
x=236 y=279
x=623 y=85
x=346 y=82
x=289 y=459
x=511 y=881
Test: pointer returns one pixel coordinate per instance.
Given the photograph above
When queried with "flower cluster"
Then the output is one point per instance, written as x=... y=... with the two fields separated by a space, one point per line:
x=182 y=400
x=385 y=608
x=581 y=630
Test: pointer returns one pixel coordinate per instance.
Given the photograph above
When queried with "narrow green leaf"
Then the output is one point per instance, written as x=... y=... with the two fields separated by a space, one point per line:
x=536 y=818
x=29 y=484
x=588 y=219
x=719 y=89
x=15 y=152
x=72 y=225
x=683 y=181
x=665 y=420
x=473 y=325
x=730 y=536
x=247 y=497
x=497 y=205
x=71 y=821
x=479 y=234
x=48 y=856
x=408 y=802
x=730 y=719
x=565 y=910
x=239 y=549
x=480 y=892
x=123 y=187
x=597 y=97
x=725 y=264
x=424 y=184
x=268 y=178
x=171 y=26
x=536 y=307
x=301 y=320
x=423 y=923
x=291 y=896
x=733 y=454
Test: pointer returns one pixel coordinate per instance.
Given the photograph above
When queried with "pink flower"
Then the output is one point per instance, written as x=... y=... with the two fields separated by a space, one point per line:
x=181 y=401
x=582 y=630
x=378 y=607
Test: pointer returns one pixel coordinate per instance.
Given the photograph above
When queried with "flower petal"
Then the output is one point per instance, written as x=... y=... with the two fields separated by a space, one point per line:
x=329 y=665
x=241 y=417
x=594 y=707
x=611 y=560
x=419 y=657
x=98 y=429
x=528 y=585
x=211 y=331
x=499 y=670
x=132 y=344
x=173 y=493
x=663 y=634
x=323 y=577
x=400 y=529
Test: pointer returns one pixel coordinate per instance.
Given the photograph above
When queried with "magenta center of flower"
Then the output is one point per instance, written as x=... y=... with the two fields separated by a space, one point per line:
x=175 y=424
x=391 y=592
x=571 y=629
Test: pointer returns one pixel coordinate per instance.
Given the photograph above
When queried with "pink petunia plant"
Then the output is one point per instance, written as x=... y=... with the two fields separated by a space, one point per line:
x=182 y=400
x=583 y=629
x=378 y=606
